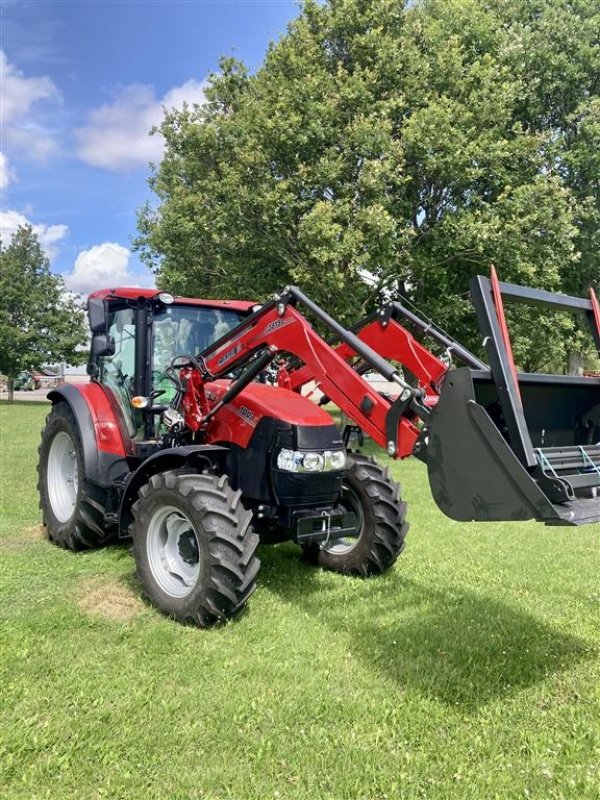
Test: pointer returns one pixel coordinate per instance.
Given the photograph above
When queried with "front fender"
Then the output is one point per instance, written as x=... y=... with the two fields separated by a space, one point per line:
x=196 y=456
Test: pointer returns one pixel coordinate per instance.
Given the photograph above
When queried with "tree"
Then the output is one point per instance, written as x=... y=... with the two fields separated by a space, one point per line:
x=39 y=322
x=411 y=143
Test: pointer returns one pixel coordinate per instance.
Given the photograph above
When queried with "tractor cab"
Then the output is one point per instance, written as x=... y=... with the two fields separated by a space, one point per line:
x=136 y=333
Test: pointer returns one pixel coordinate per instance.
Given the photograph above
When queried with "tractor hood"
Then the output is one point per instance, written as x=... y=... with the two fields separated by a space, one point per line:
x=238 y=419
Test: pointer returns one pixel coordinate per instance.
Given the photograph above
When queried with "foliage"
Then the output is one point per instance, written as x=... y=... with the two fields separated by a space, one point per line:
x=412 y=144
x=39 y=322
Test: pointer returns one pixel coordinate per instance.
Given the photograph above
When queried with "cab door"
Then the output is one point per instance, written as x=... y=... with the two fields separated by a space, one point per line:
x=117 y=371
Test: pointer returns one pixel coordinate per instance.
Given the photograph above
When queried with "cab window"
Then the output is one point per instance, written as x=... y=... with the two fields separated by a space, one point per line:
x=180 y=330
x=117 y=371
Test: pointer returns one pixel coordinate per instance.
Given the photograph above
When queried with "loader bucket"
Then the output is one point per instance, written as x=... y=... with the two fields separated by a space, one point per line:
x=509 y=446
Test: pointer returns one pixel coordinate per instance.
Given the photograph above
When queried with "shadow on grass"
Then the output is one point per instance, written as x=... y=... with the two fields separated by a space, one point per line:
x=457 y=647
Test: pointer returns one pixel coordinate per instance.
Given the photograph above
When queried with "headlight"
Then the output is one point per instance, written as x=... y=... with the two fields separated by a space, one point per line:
x=326 y=461
x=313 y=462
x=337 y=459
x=289 y=460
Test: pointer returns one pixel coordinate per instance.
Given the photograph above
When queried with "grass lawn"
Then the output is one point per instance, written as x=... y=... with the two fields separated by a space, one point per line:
x=471 y=670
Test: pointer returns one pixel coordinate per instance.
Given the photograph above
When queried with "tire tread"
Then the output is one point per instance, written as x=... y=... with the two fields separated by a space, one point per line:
x=87 y=530
x=230 y=546
x=386 y=540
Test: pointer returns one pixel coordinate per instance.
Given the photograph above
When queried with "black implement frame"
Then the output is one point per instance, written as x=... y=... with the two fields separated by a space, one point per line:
x=500 y=356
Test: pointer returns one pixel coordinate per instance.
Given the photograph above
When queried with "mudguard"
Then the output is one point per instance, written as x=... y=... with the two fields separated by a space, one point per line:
x=104 y=453
x=199 y=456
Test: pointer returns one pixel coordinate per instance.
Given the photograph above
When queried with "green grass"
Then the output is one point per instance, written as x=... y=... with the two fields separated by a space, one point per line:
x=469 y=671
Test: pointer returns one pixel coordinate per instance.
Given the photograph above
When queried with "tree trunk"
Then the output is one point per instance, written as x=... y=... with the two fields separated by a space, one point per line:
x=10 y=389
x=575 y=364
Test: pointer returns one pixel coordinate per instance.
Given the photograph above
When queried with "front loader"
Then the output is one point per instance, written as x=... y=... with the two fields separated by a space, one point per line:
x=498 y=445
x=178 y=443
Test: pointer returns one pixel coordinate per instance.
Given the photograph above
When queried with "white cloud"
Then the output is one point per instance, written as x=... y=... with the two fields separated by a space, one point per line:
x=117 y=134
x=33 y=140
x=49 y=235
x=7 y=174
x=20 y=127
x=103 y=265
x=20 y=93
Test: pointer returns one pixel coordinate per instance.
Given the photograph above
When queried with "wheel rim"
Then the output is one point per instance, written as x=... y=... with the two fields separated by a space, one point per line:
x=173 y=551
x=63 y=476
x=347 y=543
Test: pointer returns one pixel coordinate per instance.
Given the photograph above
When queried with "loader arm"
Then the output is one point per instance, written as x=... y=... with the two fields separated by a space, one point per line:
x=278 y=327
x=392 y=341
x=384 y=333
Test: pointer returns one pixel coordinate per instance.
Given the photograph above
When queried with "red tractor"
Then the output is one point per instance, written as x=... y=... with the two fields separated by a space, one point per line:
x=179 y=442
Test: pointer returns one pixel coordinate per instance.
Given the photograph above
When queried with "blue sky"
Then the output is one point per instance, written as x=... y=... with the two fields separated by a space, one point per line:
x=82 y=81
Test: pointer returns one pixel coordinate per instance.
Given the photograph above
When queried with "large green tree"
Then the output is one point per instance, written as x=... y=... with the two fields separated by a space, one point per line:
x=394 y=147
x=39 y=322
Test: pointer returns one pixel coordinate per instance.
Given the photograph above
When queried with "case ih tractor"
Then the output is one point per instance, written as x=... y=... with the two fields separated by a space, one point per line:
x=179 y=442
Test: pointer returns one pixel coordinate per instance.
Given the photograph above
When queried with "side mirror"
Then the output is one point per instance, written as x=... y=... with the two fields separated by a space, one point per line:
x=97 y=315
x=102 y=345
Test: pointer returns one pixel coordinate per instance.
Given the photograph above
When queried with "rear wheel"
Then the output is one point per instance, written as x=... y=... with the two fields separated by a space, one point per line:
x=381 y=520
x=72 y=508
x=194 y=547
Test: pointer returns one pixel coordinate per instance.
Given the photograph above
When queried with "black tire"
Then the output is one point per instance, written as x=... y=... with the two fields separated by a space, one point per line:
x=383 y=529
x=214 y=553
x=85 y=528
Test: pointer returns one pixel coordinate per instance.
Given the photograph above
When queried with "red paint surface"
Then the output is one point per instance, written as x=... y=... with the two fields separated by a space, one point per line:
x=236 y=421
x=289 y=332
x=108 y=432
x=283 y=404
x=504 y=328
x=194 y=403
x=595 y=309
x=129 y=293
x=392 y=341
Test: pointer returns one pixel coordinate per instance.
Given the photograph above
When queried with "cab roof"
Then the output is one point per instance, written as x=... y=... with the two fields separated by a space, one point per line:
x=135 y=293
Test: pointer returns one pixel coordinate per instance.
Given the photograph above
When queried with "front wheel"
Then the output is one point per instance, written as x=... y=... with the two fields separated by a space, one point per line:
x=381 y=518
x=194 y=547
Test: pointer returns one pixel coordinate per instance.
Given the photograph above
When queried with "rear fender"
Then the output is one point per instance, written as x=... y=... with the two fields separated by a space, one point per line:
x=198 y=457
x=104 y=455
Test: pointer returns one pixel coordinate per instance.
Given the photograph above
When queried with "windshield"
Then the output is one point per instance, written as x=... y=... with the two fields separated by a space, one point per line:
x=186 y=329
